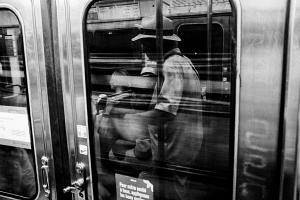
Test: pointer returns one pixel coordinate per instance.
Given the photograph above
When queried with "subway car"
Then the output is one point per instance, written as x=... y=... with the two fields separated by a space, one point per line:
x=75 y=83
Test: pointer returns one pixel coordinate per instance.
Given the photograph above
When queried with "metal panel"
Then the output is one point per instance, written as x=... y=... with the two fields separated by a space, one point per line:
x=262 y=50
x=29 y=14
x=70 y=29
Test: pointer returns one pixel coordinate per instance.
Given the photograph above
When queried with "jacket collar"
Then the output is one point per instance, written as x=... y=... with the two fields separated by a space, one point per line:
x=175 y=51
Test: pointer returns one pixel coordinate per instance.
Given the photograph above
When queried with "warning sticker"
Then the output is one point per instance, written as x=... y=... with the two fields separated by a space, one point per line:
x=81 y=131
x=83 y=149
x=133 y=188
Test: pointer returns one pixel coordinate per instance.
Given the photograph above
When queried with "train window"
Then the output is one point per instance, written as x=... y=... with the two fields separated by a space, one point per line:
x=162 y=124
x=17 y=169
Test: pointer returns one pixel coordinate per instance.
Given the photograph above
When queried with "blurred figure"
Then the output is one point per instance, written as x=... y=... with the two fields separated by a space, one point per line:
x=175 y=111
x=120 y=81
x=115 y=134
x=16 y=172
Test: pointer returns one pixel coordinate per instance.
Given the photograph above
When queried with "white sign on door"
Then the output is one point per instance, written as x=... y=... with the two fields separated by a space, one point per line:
x=14 y=127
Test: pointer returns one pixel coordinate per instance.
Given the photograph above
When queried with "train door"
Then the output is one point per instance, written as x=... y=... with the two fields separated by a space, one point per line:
x=25 y=145
x=108 y=79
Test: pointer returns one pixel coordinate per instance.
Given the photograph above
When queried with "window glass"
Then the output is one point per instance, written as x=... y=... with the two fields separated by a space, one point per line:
x=195 y=47
x=17 y=174
x=161 y=131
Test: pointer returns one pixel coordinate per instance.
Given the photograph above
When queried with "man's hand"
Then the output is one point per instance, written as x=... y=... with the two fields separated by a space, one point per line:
x=102 y=123
x=97 y=121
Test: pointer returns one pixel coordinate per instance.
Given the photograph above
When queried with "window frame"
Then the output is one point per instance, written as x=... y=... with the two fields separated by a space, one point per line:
x=28 y=108
x=236 y=10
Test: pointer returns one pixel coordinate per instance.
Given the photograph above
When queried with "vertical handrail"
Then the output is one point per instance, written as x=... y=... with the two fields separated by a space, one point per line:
x=159 y=60
x=209 y=32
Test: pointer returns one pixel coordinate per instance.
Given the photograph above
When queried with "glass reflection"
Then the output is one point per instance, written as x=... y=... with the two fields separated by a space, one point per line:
x=17 y=175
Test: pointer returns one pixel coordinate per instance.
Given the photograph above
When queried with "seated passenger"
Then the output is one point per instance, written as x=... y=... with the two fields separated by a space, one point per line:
x=116 y=134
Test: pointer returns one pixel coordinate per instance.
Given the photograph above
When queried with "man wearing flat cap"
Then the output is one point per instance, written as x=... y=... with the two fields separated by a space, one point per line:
x=176 y=108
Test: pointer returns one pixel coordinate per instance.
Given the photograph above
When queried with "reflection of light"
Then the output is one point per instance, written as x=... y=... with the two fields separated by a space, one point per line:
x=166 y=3
x=109 y=33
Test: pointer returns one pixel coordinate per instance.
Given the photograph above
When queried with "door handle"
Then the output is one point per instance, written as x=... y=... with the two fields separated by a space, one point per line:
x=45 y=176
x=80 y=184
x=77 y=185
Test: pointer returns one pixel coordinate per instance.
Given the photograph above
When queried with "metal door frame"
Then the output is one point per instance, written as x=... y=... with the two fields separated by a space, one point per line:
x=28 y=13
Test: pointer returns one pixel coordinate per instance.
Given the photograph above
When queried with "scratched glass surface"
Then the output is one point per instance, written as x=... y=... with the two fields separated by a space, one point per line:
x=17 y=174
x=193 y=159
